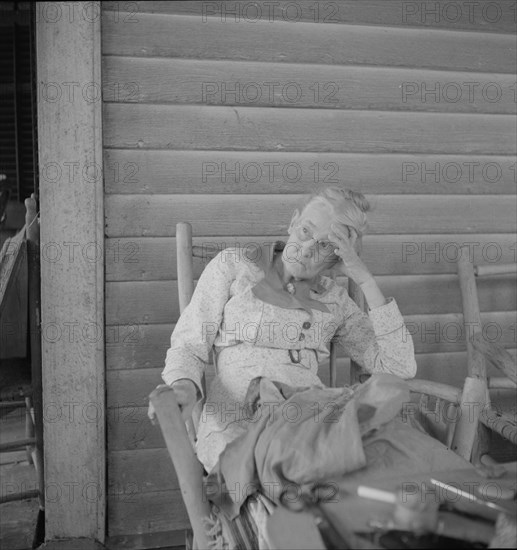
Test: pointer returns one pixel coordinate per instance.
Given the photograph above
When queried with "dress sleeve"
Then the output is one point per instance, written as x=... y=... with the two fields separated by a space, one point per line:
x=198 y=325
x=380 y=341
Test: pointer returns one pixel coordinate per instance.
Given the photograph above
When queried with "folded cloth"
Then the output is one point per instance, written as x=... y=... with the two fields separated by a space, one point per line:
x=300 y=436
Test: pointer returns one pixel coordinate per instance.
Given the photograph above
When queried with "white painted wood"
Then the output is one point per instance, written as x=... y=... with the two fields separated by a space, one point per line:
x=188 y=36
x=72 y=295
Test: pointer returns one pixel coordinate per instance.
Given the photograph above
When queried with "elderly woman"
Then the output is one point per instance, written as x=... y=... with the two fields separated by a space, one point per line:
x=273 y=312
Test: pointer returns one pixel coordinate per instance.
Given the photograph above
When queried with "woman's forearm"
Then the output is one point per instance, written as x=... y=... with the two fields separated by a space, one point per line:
x=372 y=293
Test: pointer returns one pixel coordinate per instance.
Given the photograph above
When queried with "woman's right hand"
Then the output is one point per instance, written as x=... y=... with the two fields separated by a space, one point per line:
x=185 y=392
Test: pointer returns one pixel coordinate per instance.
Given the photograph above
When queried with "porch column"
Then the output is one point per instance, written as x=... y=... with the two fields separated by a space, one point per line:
x=72 y=267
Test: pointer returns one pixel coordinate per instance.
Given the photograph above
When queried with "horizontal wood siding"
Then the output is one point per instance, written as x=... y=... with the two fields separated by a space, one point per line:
x=183 y=81
x=156 y=302
x=225 y=117
x=156 y=215
x=482 y=16
x=130 y=171
x=154 y=259
x=158 y=35
x=272 y=129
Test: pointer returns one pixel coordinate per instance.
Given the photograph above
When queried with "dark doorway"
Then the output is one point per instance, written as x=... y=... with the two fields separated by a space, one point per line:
x=18 y=123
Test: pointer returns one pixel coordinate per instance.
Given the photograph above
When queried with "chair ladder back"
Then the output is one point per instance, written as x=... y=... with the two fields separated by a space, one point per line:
x=499 y=269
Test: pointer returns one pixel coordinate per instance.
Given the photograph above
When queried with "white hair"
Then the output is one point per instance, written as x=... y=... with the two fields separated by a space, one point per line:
x=348 y=206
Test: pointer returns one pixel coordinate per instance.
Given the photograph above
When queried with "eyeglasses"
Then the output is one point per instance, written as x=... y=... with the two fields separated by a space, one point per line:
x=325 y=248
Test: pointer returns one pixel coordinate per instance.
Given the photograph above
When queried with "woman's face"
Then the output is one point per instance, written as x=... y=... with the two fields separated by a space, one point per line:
x=309 y=250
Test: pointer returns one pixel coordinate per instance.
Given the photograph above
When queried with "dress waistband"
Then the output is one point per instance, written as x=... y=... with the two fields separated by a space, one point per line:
x=264 y=359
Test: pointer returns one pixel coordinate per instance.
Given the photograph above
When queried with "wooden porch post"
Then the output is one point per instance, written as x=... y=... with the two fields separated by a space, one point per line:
x=72 y=267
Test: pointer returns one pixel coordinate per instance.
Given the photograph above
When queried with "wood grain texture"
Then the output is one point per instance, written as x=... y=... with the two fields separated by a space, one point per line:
x=431 y=334
x=190 y=81
x=136 y=541
x=241 y=172
x=133 y=472
x=129 y=428
x=484 y=15
x=137 y=346
x=146 y=512
x=207 y=127
x=73 y=370
x=154 y=258
x=156 y=301
x=220 y=215
x=160 y=35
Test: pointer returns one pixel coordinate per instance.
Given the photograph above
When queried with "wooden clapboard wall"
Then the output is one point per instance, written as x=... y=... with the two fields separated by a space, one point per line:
x=173 y=135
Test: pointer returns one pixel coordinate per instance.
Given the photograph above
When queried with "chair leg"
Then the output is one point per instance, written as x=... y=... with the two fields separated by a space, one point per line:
x=451 y=426
x=189 y=539
x=473 y=398
x=481 y=445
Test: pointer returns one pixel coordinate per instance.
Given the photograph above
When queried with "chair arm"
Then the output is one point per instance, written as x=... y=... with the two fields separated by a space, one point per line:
x=435 y=389
x=188 y=468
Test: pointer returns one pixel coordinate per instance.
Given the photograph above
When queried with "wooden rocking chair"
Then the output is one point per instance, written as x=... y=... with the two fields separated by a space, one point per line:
x=466 y=431
x=462 y=434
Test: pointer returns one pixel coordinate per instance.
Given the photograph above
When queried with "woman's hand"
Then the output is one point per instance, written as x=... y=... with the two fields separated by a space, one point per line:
x=353 y=267
x=350 y=265
x=185 y=392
